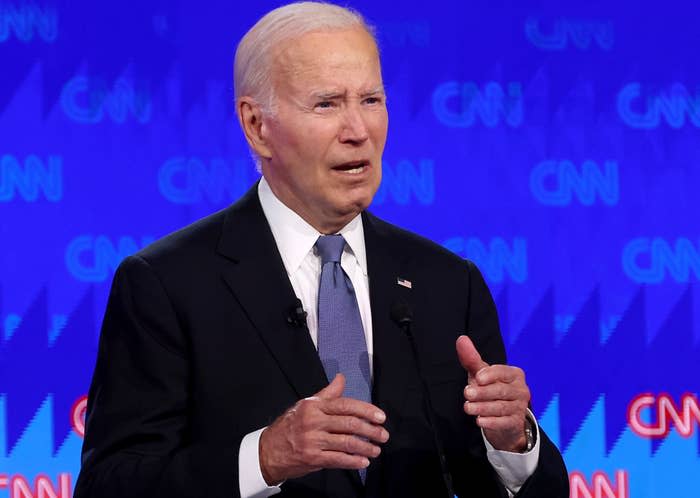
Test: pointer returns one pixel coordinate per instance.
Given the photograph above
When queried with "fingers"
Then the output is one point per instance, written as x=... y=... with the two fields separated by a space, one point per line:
x=352 y=445
x=506 y=394
x=357 y=427
x=499 y=373
x=355 y=408
x=496 y=391
x=495 y=408
x=340 y=460
x=317 y=446
x=335 y=404
x=468 y=356
x=323 y=431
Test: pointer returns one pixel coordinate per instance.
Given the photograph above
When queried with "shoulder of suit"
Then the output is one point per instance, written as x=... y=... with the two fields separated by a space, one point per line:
x=418 y=246
x=198 y=239
x=201 y=235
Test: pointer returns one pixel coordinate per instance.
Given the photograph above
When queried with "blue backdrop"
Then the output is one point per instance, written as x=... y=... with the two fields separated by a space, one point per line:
x=557 y=144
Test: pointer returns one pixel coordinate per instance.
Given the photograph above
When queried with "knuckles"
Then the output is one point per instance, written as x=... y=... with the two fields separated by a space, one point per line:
x=343 y=405
x=352 y=425
x=347 y=443
x=503 y=408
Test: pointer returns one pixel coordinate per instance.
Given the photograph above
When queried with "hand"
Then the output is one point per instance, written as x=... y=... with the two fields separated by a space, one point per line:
x=497 y=395
x=325 y=431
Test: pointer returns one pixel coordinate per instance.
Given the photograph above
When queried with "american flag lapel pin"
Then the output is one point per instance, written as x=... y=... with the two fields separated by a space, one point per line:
x=404 y=283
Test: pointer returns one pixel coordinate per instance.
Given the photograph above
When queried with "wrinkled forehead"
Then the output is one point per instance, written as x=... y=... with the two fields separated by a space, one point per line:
x=320 y=55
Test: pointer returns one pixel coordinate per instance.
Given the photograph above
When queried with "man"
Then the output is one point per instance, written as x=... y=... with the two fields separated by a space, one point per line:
x=212 y=381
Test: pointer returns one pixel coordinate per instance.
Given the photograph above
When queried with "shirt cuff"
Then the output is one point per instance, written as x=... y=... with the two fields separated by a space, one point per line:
x=251 y=482
x=514 y=468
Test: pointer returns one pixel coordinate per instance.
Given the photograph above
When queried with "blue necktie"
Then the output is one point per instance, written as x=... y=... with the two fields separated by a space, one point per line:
x=341 y=338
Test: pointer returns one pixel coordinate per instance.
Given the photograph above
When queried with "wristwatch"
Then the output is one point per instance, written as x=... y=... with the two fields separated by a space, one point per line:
x=530 y=435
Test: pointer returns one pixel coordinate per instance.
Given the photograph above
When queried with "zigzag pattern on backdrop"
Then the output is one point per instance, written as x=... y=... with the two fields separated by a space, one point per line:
x=151 y=41
x=32 y=367
x=625 y=365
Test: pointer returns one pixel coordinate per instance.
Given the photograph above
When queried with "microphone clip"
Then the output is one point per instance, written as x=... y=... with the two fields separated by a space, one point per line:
x=296 y=316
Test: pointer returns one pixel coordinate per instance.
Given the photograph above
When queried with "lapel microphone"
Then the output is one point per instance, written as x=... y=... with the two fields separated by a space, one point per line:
x=402 y=316
x=296 y=316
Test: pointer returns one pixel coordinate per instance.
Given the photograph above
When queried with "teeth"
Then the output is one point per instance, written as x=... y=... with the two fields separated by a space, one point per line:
x=358 y=168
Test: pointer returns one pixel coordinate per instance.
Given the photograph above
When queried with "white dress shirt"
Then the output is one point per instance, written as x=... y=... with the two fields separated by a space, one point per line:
x=295 y=240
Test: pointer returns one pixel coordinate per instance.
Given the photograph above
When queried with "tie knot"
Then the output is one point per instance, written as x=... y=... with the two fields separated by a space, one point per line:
x=330 y=248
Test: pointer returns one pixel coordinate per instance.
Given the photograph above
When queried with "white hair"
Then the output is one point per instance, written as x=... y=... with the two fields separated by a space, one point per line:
x=255 y=52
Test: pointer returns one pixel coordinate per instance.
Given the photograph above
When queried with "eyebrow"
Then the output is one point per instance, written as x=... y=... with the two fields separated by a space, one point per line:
x=333 y=95
x=374 y=91
x=326 y=95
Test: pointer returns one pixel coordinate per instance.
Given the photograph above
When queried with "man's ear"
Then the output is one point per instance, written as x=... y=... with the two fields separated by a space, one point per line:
x=251 y=117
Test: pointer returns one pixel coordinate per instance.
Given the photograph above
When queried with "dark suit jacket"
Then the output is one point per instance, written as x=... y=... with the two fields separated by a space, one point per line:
x=196 y=352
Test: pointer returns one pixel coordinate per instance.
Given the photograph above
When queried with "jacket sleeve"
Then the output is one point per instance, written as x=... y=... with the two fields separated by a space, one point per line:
x=138 y=440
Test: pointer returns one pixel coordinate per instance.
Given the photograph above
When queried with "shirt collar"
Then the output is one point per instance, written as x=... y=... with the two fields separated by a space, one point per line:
x=295 y=237
x=354 y=236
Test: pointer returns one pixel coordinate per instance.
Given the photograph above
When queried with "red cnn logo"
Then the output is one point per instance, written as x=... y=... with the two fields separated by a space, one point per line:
x=684 y=418
x=600 y=486
x=19 y=487
x=77 y=415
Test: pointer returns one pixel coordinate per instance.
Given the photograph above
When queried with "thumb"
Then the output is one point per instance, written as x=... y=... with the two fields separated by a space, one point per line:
x=334 y=389
x=469 y=357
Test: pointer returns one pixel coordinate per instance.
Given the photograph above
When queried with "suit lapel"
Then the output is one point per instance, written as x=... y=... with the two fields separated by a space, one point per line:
x=256 y=276
x=385 y=264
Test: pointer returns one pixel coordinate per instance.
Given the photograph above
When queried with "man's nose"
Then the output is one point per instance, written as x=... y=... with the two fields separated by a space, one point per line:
x=354 y=128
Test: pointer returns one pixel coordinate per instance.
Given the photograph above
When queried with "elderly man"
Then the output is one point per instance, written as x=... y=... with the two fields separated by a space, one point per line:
x=295 y=344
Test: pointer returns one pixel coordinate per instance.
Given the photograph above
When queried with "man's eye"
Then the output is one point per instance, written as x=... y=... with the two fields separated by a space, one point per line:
x=373 y=100
x=325 y=104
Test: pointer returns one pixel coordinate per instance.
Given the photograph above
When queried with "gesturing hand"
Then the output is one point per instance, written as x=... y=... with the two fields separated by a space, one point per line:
x=497 y=395
x=323 y=431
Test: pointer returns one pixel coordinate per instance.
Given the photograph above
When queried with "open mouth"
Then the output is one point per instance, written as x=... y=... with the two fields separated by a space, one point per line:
x=352 y=167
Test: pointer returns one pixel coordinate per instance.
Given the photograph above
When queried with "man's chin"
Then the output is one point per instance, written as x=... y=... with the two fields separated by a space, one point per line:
x=359 y=199
x=356 y=206
x=343 y=214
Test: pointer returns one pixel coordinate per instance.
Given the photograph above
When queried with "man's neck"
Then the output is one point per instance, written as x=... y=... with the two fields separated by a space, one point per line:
x=325 y=224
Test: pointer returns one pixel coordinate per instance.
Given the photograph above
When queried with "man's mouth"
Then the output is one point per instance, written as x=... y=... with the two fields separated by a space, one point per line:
x=352 y=167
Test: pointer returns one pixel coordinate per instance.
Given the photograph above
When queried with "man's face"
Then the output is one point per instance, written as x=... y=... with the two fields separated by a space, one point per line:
x=329 y=127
